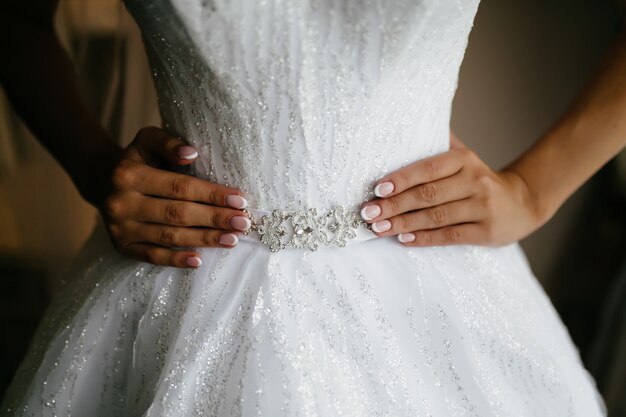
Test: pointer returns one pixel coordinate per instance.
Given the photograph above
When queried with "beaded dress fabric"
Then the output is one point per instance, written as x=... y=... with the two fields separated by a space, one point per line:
x=304 y=104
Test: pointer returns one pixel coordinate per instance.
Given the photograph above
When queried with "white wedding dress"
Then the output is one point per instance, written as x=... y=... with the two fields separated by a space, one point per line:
x=304 y=104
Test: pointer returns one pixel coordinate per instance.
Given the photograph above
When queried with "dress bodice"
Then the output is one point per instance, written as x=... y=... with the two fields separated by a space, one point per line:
x=305 y=103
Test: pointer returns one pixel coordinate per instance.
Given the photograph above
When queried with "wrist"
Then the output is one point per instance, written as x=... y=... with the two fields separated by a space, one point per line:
x=540 y=206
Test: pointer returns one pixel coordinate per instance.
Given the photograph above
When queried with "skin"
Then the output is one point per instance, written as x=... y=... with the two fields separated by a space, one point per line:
x=455 y=198
x=146 y=208
x=450 y=198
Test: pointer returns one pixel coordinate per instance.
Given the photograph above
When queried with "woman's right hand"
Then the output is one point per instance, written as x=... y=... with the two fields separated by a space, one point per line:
x=148 y=210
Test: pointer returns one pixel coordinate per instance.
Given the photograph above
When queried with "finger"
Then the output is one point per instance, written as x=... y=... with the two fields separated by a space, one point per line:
x=157 y=146
x=162 y=256
x=182 y=236
x=161 y=183
x=184 y=213
x=460 y=211
x=455 y=187
x=420 y=172
x=460 y=234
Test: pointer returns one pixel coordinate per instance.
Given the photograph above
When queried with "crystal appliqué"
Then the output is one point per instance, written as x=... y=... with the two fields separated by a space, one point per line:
x=305 y=228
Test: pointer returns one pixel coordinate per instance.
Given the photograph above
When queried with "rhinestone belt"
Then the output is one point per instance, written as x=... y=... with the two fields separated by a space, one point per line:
x=308 y=229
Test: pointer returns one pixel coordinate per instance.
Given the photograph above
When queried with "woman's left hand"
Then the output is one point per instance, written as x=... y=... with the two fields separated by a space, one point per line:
x=452 y=198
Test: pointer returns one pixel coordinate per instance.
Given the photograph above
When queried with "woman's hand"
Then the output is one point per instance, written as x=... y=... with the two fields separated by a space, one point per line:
x=452 y=198
x=149 y=210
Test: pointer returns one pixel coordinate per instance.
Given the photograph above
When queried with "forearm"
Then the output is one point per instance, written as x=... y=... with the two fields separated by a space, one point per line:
x=586 y=137
x=41 y=83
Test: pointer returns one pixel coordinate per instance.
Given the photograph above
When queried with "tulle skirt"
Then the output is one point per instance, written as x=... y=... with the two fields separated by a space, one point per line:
x=370 y=329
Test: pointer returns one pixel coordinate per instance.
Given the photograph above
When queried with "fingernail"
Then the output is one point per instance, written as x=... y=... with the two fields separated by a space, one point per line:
x=229 y=239
x=236 y=201
x=383 y=189
x=187 y=152
x=370 y=212
x=240 y=222
x=194 y=261
x=381 y=226
x=406 y=237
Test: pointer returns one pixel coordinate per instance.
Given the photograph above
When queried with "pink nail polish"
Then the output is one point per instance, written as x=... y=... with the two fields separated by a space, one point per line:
x=187 y=152
x=193 y=261
x=383 y=189
x=406 y=237
x=236 y=201
x=370 y=212
x=229 y=239
x=381 y=226
x=240 y=222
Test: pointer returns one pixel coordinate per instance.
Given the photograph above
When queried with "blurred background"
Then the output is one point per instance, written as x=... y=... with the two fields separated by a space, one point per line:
x=525 y=63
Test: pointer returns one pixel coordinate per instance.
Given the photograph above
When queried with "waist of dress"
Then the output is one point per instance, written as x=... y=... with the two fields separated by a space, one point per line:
x=307 y=228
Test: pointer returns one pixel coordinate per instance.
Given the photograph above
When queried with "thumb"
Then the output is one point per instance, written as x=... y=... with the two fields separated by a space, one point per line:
x=156 y=146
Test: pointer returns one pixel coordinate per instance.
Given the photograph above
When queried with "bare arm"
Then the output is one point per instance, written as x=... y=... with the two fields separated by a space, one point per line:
x=587 y=136
x=455 y=198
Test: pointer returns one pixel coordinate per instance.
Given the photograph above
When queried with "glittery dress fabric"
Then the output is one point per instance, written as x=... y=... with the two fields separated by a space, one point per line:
x=304 y=104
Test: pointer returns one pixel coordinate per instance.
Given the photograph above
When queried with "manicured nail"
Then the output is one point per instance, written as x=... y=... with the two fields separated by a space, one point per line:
x=229 y=239
x=381 y=226
x=406 y=237
x=187 y=152
x=383 y=189
x=236 y=201
x=240 y=222
x=194 y=261
x=370 y=212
